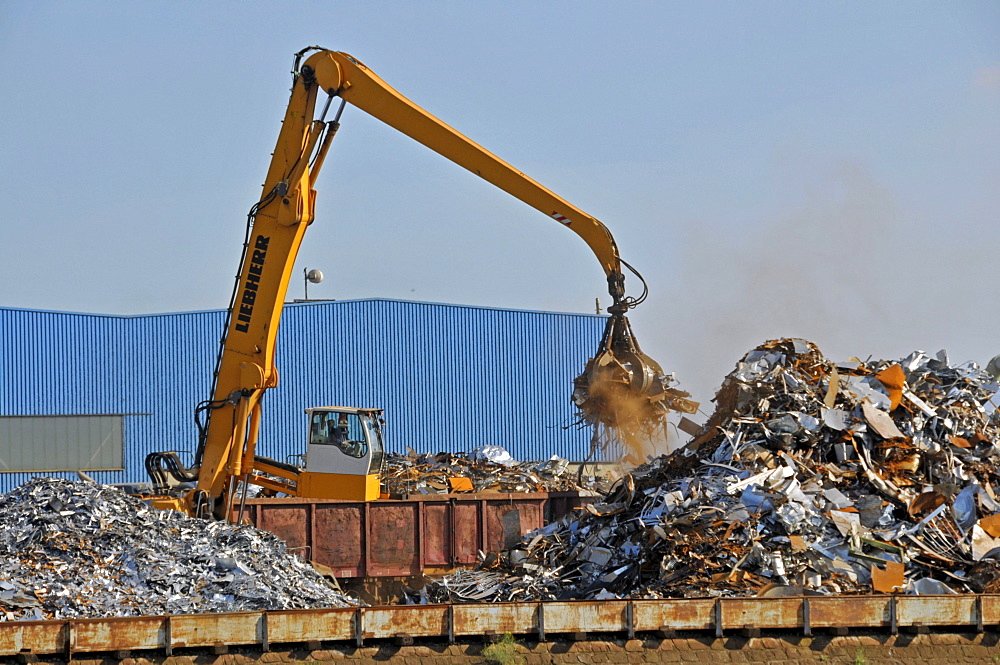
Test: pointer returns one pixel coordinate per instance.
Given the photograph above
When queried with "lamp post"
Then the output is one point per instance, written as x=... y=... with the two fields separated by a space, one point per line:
x=315 y=276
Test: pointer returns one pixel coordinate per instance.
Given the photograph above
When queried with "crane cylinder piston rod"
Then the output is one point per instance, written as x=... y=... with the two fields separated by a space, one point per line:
x=619 y=373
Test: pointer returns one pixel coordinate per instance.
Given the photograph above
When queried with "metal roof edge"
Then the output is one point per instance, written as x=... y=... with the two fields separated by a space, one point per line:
x=311 y=303
x=429 y=303
x=28 y=310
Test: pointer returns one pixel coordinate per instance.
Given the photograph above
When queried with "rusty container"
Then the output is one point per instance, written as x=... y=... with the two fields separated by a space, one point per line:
x=407 y=537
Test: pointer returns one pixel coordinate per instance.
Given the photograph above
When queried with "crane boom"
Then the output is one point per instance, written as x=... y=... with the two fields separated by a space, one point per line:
x=348 y=78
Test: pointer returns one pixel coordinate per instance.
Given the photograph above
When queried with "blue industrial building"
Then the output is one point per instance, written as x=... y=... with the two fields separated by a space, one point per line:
x=99 y=392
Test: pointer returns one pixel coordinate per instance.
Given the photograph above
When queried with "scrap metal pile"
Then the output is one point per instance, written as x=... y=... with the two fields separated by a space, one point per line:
x=810 y=477
x=486 y=469
x=77 y=549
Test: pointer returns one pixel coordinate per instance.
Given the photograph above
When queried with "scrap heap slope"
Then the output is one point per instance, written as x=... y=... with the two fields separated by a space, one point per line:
x=77 y=549
x=810 y=477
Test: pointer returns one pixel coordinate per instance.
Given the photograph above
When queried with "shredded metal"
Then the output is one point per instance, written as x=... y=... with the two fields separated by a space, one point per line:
x=811 y=477
x=485 y=469
x=78 y=549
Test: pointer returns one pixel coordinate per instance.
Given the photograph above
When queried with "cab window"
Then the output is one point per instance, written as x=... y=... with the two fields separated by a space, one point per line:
x=341 y=430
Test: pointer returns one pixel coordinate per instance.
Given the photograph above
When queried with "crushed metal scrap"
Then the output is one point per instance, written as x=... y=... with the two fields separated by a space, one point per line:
x=78 y=549
x=485 y=469
x=811 y=477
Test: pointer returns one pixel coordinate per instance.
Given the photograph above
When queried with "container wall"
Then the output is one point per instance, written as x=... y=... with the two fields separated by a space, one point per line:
x=402 y=538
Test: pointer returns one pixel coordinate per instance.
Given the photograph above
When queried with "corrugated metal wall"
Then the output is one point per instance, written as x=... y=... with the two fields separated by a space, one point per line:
x=449 y=377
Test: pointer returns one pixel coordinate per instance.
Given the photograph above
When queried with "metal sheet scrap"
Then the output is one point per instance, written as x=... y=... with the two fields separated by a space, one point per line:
x=811 y=477
x=78 y=549
x=485 y=469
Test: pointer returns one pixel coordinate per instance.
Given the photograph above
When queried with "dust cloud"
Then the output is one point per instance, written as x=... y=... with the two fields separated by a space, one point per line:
x=630 y=428
x=844 y=268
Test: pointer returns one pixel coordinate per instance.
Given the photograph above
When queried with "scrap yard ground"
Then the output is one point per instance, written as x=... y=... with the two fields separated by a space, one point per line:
x=864 y=649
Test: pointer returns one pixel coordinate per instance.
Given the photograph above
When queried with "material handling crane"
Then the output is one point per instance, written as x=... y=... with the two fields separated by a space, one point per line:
x=230 y=421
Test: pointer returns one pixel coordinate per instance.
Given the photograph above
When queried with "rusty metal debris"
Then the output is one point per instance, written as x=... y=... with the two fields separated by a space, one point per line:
x=485 y=469
x=811 y=477
x=78 y=549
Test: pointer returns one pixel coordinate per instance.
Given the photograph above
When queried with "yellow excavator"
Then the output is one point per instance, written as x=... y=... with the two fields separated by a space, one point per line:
x=619 y=387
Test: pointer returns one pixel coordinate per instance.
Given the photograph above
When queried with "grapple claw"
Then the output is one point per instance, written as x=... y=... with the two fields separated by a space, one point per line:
x=624 y=389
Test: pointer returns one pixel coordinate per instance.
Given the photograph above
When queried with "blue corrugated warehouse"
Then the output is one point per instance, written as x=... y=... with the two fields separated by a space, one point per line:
x=450 y=378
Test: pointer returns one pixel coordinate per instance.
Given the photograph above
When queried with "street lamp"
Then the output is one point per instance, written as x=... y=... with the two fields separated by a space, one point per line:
x=315 y=276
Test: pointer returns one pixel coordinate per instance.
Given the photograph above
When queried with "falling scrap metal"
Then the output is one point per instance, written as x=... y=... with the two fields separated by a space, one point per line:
x=78 y=549
x=623 y=394
x=811 y=477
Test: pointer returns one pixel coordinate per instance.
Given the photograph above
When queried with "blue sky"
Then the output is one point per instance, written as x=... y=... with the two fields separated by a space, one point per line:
x=825 y=170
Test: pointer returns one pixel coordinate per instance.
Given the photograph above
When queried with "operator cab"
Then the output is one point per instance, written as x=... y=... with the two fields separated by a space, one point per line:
x=343 y=454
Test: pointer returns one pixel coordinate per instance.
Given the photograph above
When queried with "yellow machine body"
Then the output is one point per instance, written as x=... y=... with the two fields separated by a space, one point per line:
x=339 y=486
